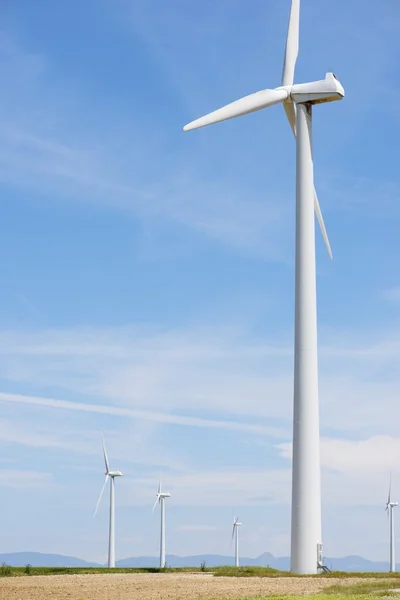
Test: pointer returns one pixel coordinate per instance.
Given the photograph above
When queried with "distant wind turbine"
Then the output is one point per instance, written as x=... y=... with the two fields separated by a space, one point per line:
x=298 y=101
x=235 y=534
x=161 y=500
x=389 y=507
x=110 y=475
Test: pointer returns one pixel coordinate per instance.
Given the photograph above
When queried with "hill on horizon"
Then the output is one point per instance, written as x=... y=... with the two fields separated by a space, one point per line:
x=38 y=559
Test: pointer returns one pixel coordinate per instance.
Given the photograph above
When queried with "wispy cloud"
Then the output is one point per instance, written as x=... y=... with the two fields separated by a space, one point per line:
x=136 y=414
x=24 y=479
x=392 y=295
x=197 y=528
x=214 y=486
x=40 y=154
x=193 y=376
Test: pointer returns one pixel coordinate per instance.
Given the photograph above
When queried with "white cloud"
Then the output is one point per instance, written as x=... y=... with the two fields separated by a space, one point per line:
x=365 y=457
x=374 y=455
x=356 y=472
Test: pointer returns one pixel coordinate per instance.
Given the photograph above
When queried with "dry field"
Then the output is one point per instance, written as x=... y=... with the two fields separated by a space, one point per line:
x=157 y=586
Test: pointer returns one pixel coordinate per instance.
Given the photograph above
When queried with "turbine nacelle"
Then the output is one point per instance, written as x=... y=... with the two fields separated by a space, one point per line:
x=115 y=474
x=162 y=495
x=318 y=92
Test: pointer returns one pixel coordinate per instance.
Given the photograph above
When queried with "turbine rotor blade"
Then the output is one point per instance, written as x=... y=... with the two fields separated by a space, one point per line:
x=320 y=219
x=245 y=105
x=101 y=495
x=158 y=494
x=292 y=44
x=105 y=454
x=290 y=110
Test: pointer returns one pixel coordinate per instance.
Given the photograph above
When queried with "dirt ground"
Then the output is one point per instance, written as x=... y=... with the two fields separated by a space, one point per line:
x=159 y=586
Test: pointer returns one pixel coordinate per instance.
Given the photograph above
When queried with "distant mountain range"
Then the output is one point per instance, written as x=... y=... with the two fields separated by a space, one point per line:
x=36 y=559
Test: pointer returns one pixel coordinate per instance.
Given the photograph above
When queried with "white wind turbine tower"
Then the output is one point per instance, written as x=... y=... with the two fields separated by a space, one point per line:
x=298 y=100
x=389 y=507
x=110 y=475
x=161 y=500
x=235 y=534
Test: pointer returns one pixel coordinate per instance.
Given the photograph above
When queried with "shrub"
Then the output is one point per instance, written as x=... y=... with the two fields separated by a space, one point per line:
x=5 y=570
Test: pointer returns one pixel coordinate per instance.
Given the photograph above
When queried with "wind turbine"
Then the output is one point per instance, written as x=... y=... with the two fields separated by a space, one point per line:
x=389 y=507
x=110 y=475
x=161 y=500
x=298 y=100
x=235 y=534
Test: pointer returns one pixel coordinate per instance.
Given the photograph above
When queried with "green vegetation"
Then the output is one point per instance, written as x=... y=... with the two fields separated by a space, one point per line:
x=269 y=572
x=5 y=570
x=377 y=588
x=321 y=596
x=248 y=572
x=363 y=575
x=357 y=589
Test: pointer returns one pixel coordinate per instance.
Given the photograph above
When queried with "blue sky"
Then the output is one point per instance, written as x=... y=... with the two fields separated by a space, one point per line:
x=147 y=274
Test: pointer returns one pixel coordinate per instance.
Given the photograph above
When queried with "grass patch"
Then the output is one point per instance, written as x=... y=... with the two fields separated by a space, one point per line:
x=5 y=570
x=363 y=575
x=270 y=572
x=321 y=596
x=248 y=572
x=362 y=588
x=388 y=579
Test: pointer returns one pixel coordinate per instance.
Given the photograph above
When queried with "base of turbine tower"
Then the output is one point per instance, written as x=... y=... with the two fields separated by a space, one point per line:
x=317 y=567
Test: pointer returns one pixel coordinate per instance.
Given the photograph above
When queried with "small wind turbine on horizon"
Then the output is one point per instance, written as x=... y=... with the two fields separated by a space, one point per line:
x=389 y=508
x=298 y=101
x=235 y=534
x=110 y=475
x=161 y=500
